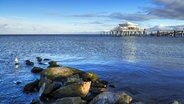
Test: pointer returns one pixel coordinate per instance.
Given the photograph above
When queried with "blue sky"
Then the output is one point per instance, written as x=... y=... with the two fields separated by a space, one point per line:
x=85 y=16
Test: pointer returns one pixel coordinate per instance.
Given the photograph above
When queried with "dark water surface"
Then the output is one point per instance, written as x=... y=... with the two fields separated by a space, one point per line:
x=149 y=68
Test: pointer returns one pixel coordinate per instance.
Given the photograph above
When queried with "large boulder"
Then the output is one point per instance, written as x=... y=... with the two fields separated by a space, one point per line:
x=73 y=79
x=59 y=73
x=36 y=70
x=72 y=90
x=70 y=100
x=112 y=98
x=31 y=87
x=48 y=86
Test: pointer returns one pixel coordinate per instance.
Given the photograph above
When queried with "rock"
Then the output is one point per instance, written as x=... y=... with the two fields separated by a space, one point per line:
x=46 y=87
x=176 y=102
x=53 y=64
x=31 y=87
x=28 y=62
x=18 y=82
x=41 y=63
x=70 y=100
x=94 y=92
x=72 y=90
x=100 y=84
x=39 y=59
x=111 y=98
x=35 y=101
x=46 y=59
x=123 y=98
x=112 y=86
x=73 y=79
x=90 y=77
x=105 y=98
x=138 y=103
x=59 y=73
x=36 y=70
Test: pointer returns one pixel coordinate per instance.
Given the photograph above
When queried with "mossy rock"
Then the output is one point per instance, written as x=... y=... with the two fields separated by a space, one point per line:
x=59 y=73
x=53 y=64
x=90 y=77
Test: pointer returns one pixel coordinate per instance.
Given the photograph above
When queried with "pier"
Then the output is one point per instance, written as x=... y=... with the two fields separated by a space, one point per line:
x=131 y=29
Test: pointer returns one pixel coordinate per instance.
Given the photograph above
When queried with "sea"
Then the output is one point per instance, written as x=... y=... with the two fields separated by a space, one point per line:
x=150 y=69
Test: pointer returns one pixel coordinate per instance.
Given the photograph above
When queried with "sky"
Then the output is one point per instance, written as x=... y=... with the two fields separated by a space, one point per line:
x=85 y=16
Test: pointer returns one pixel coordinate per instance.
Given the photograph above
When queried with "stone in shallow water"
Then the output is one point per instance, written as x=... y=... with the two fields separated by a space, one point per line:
x=53 y=64
x=70 y=100
x=31 y=87
x=36 y=70
x=39 y=59
x=29 y=63
x=123 y=98
x=112 y=98
x=105 y=98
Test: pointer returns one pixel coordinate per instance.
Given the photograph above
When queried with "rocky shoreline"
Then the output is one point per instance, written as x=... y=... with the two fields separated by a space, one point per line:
x=67 y=85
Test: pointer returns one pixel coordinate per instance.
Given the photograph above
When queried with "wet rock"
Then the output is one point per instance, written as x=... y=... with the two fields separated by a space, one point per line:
x=112 y=86
x=138 y=103
x=46 y=87
x=46 y=59
x=73 y=90
x=37 y=70
x=29 y=63
x=17 y=82
x=39 y=59
x=94 y=92
x=41 y=63
x=123 y=98
x=100 y=84
x=105 y=98
x=176 y=102
x=73 y=79
x=53 y=64
x=90 y=77
x=112 y=98
x=70 y=100
x=31 y=87
x=35 y=101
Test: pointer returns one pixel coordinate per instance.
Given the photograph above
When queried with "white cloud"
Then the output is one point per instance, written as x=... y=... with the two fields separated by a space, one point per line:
x=22 y=26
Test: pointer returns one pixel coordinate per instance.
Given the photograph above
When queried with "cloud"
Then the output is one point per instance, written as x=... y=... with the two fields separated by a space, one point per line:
x=162 y=27
x=23 y=26
x=169 y=9
x=131 y=17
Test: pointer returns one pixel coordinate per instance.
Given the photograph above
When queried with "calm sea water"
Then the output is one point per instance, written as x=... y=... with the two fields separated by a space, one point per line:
x=151 y=69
